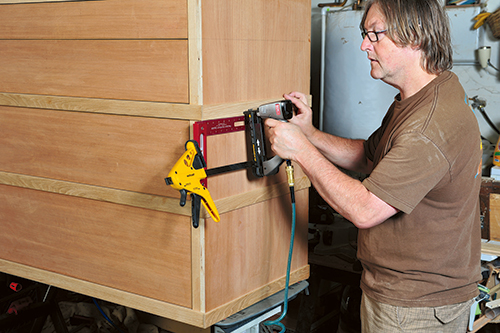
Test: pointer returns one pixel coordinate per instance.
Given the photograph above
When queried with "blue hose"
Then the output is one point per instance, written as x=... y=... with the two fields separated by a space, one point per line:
x=290 y=252
x=106 y=317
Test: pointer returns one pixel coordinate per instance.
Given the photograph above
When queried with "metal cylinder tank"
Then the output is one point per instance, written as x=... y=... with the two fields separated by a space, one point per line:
x=354 y=102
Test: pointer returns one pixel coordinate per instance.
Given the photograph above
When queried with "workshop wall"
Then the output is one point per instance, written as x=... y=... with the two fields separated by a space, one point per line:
x=484 y=83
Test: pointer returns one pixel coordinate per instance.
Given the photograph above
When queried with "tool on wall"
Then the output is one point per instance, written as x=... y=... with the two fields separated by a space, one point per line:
x=189 y=171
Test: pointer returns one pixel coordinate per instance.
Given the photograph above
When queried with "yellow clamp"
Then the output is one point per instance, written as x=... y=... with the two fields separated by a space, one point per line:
x=186 y=176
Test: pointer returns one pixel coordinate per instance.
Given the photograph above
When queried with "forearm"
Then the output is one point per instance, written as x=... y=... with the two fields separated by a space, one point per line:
x=346 y=195
x=346 y=153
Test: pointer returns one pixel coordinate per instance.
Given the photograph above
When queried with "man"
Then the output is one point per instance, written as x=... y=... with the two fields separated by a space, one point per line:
x=418 y=209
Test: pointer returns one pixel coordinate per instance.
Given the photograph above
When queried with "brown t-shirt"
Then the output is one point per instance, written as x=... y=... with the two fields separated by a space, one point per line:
x=427 y=158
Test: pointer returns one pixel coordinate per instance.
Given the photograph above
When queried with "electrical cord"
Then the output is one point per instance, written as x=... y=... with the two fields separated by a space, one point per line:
x=479 y=104
x=489 y=63
x=105 y=316
x=291 y=185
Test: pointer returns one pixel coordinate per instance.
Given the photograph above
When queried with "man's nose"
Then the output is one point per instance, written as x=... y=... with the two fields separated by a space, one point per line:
x=365 y=44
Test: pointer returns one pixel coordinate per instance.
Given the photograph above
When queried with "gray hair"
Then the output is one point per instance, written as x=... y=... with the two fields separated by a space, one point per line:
x=418 y=23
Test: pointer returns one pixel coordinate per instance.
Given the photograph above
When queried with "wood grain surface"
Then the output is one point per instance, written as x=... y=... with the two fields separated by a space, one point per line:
x=120 y=152
x=131 y=249
x=255 y=49
x=109 y=19
x=146 y=70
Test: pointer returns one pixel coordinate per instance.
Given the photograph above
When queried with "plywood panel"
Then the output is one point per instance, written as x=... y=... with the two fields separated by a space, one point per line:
x=98 y=105
x=255 y=49
x=110 y=19
x=230 y=148
x=494 y=216
x=150 y=70
x=249 y=248
x=257 y=20
x=130 y=153
x=244 y=69
x=131 y=249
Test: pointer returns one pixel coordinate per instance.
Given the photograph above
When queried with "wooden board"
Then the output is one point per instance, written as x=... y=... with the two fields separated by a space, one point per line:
x=494 y=216
x=226 y=76
x=109 y=19
x=150 y=305
x=254 y=49
x=488 y=186
x=82 y=195
x=121 y=152
x=491 y=248
x=147 y=70
x=249 y=248
x=230 y=148
x=131 y=249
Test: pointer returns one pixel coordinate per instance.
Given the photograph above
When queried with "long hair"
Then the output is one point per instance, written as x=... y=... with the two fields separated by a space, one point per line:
x=418 y=23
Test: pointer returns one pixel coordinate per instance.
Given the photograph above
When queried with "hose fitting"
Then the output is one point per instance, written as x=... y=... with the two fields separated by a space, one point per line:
x=290 y=174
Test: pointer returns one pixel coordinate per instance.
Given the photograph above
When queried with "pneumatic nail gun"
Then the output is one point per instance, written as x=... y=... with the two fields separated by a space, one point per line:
x=254 y=122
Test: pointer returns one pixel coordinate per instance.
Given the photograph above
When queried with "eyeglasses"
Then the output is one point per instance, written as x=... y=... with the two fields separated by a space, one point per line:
x=372 y=35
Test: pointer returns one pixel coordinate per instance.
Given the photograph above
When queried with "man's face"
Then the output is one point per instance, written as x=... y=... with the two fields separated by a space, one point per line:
x=387 y=60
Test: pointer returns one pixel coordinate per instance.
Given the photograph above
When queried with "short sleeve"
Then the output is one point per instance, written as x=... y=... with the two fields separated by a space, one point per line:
x=413 y=167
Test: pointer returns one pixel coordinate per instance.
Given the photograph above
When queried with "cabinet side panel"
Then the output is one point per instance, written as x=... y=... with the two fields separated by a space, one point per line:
x=248 y=249
x=131 y=249
x=122 y=152
x=110 y=19
x=255 y=49
x=146 y=70
x=231 y=148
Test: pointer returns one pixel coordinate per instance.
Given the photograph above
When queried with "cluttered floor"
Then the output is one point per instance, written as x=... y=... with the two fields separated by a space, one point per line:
x=29 y=307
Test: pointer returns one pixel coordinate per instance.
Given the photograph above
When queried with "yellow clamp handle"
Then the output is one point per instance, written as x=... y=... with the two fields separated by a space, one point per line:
x=187 y=174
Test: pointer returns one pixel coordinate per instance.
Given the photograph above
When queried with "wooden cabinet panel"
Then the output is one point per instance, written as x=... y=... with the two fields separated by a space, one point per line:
x=255 y=49
x=130 y=153
x=132 y=249
x=147 y=70
x=109 y=19
x=254 y=240
x=226 y=74
x=97 y=99
x=277 y=20
x=231 y=148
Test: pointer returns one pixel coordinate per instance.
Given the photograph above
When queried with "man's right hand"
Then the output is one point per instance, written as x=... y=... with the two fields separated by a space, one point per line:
x=304 y=116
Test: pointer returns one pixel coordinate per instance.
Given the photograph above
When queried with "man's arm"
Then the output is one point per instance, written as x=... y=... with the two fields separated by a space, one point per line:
x=315 y=151
x=346 y=153
x=343 y=193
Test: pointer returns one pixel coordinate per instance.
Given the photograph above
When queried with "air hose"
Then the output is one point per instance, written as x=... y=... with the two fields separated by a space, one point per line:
x=291 y=185
x=105 y=316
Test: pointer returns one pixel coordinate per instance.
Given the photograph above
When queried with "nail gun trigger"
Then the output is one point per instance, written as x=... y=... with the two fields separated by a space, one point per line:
x=271 y=167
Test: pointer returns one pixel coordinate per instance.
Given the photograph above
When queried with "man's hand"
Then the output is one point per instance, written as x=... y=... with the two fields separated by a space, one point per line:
x=287 y=139
x=304 y=116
